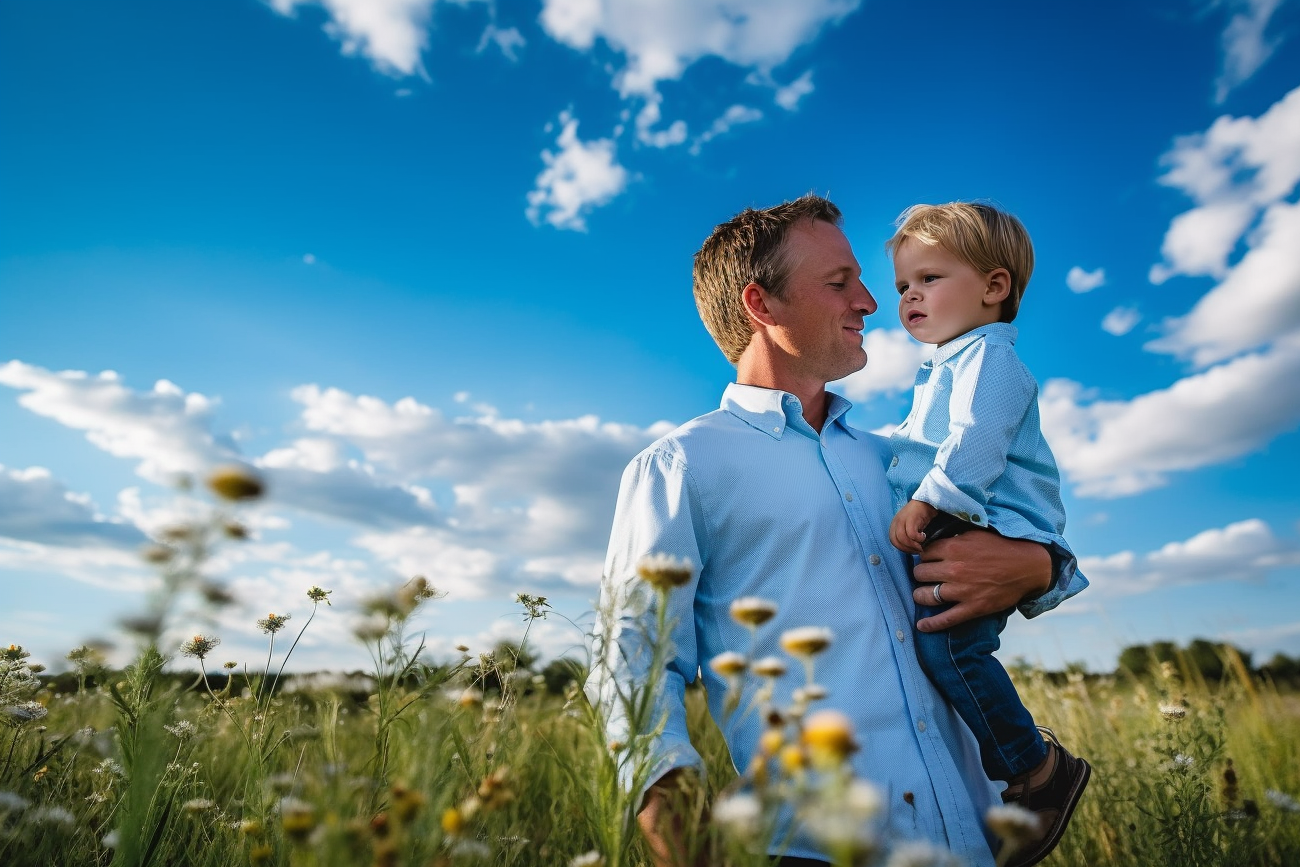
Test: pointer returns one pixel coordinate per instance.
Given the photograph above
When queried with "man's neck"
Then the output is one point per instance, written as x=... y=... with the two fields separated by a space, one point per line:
x=811 y=393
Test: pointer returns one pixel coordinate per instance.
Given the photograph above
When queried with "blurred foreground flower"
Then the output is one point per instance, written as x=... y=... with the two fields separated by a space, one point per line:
x=664 y=571
x=752 y=611
x=806 y=641
x=828 y=734
x=1014 y=826
x=236 y=482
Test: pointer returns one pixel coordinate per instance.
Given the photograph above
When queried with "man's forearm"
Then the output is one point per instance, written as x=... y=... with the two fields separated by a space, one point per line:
x=981 y=573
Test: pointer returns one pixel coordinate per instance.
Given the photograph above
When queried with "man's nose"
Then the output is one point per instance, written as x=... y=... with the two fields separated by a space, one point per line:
x=865 y=301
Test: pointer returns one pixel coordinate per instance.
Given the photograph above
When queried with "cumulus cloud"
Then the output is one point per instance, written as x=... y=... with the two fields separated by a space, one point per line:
x=35 y=507
x=1110 y=448
x=648 y=118
x=1245 y=47
x=578 y=177
x=732 y=117
x=892 y=361
x=1243 y=551
x=1081 y=281
x=659 y=41
x=1121 y=321
x=390 y=33
x=166 y=429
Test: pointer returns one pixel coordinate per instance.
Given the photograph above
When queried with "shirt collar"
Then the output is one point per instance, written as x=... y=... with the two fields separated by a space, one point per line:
x=772 y=411
x=996 y=332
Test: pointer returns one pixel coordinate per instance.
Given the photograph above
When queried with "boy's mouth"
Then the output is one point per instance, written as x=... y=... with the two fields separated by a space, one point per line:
x=914 y=317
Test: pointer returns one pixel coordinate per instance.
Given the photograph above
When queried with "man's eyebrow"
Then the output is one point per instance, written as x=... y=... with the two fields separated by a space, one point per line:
x=841 y=269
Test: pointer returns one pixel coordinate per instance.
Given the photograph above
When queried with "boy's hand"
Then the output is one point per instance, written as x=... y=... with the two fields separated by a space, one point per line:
x=907 y=530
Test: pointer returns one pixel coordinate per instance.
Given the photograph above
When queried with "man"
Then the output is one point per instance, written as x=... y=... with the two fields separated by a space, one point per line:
x=774 y=496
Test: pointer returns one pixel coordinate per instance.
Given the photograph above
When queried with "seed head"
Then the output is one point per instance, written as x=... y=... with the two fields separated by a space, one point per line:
x=273 y=623
x=317 y=595
x=741 y=814
x=806 y=641
x=729 y=664
x=1173 y=712
x=752 y=611
x=236 y=482
x=828 y=734
x=1012 y=824
x=664 y=571
x=199 y=646
x=769 y=666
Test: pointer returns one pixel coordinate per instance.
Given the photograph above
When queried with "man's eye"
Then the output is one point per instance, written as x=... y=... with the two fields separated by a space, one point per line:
x=836 y=285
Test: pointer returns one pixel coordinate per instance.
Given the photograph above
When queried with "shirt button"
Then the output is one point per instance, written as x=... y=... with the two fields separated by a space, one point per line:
x=899 y=634
x=849 y=497
x=920 y=725
x=776 y=430
x=874 y=559
x=894 y=462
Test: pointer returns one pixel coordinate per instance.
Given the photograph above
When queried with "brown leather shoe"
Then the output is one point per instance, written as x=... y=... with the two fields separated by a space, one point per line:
x=1054 y=800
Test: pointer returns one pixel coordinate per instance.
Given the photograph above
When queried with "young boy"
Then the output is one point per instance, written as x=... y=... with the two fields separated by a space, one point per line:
x=971 y=455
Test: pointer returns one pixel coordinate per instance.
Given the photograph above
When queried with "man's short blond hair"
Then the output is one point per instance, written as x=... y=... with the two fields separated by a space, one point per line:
x=980 y=235
x=748 y=248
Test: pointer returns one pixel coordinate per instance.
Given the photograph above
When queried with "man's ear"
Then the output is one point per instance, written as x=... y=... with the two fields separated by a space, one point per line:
x=757 y=300
x=997 y=286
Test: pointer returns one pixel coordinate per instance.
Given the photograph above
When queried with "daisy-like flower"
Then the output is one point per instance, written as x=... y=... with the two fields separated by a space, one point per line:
x=918 y=853
x=588 y=859
x=273 y=623
x=317 y=595
x=828 y=734
x=23 y=713
x=236 y=482
x=664 y=571
x=740 y=814
x=200 y=646
x=806 y=641
x=769 y=666
x=810 y=693
x=198 y=805
x=1012 y=824
x=729 y=664
x=753 y=611
x=1173 y=711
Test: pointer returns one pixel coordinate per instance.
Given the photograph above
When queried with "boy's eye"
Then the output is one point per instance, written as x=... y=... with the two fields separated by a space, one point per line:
x=902 y=287
x=930 y=278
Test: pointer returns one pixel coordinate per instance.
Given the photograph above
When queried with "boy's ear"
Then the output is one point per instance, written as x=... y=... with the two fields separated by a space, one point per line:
x=755 y=298
x=997 y=286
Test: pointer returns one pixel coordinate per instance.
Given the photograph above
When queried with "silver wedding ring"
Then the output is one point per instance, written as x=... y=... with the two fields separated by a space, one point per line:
x=938 y=597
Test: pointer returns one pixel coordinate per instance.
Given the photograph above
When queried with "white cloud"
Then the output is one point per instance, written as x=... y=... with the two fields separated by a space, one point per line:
x=35 y=507
x=892 y=361
x=1121 y=321
x=1110 y=448
x=507 y=40
x=1243 y=551
x=390 y=33
x=580 y=176
x=659 y=41
x=1245 y=48
x=1233 y=170
x=734 y=116
x=648 y=118
x=1257 y=302
x=1081 y=281
x=168 y=430
x=790 y=95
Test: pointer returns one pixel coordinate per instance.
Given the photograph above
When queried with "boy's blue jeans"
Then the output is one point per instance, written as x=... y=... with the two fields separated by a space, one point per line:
x=960 y=663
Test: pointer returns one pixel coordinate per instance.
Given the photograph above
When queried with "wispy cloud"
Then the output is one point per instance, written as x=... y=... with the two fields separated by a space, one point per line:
x=579 y=176
x=1081 y=281
x=36 y=507
x=789 y=96
x=390 y=33
x=734 y=116
x=507 y=40
x=1245 y=46
x=1243 y=551
x=1121 y=321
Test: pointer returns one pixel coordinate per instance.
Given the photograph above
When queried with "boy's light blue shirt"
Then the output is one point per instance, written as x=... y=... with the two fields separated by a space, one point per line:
x=765 y=506
x=973 y=445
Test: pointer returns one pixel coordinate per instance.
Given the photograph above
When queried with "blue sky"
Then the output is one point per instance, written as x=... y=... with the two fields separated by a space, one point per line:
x=427 y=263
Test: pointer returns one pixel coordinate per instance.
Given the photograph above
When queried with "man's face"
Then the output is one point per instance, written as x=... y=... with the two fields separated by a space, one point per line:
x=819 y=324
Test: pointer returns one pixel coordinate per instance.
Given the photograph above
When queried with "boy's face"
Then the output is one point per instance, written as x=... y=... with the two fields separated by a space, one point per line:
x=940 y=297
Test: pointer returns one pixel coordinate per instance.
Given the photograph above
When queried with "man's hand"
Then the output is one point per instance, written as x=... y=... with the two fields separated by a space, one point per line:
x=982 y=573
x=663 y=817
x=907 y=530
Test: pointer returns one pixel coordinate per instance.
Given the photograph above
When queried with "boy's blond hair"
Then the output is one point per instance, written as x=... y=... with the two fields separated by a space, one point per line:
x=980 y=235
x=748 y=248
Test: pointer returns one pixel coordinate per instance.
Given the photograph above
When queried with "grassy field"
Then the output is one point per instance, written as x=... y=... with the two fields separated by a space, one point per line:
x=172 y=762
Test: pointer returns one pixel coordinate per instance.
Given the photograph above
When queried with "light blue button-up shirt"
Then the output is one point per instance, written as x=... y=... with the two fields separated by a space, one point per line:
x=765 y=506
x=973 y=445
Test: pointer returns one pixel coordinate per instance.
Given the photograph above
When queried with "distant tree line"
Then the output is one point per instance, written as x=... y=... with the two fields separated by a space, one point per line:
x=1212 y=659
